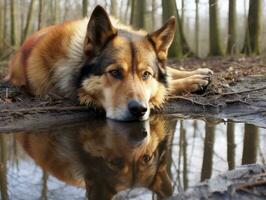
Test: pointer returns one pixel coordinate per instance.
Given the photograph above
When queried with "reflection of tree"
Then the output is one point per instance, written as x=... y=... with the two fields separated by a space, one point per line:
x=184 y=151
x=3 y=168
x=250 y=144
x=182 y=156
x=231 y=145
x=170 y=127
x=206 y=170
x=44 y=185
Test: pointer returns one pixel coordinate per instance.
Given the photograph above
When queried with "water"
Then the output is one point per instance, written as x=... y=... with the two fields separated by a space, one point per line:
x=136 y=160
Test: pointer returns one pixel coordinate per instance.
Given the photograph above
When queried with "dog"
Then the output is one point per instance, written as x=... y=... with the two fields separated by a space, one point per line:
x=105 y=64
x=106 y=156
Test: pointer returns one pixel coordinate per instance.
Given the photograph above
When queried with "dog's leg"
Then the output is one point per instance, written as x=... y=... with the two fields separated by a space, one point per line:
x=178 y=74
x=192 y=83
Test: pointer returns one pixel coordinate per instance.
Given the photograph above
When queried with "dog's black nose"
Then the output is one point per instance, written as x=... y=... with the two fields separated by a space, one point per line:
x=137 y=108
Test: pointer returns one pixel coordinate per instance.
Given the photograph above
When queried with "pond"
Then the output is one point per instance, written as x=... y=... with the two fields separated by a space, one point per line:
x=136 y=160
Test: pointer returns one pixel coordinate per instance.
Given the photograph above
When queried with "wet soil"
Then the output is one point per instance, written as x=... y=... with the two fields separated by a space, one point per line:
x=237 y=92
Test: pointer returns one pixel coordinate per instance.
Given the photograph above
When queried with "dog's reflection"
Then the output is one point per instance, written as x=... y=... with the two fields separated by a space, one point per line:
x=105 y=156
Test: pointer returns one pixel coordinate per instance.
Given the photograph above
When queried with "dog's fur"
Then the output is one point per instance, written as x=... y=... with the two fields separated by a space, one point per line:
x=101 y=62
x=106 y=156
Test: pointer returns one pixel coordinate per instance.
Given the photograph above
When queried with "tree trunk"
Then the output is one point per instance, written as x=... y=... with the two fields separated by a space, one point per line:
x=28 y=21
x=113 y=10
x=182 y=13
x=138 y=11
x=40 y=19
x=197 y=28
x=56 y=11
x=206 y=170
x=253 y=30
x=250 y=144
x=169 y=9
x=5 y=19
x=153 y=11
x=215 y=43
x=132 y=11
x=230 y=145
x=1 y=26
x=231 y=43
x=84 y=7
x=13 y=34
x=126 y=12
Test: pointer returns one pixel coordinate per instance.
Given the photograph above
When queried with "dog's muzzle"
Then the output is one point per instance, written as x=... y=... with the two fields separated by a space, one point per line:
x=137 y=108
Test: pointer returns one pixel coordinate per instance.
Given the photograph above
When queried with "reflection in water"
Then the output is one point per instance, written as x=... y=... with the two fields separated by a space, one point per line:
x=230 y=132
x=104 y=156
x=206 y=170
x=3 y=174
x=164 y=155
x=250 y=144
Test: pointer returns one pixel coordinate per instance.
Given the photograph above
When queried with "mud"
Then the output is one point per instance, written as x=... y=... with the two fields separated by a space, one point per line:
x=237 y=92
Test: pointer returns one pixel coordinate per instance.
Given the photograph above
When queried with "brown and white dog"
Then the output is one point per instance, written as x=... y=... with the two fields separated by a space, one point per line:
x=104 y=63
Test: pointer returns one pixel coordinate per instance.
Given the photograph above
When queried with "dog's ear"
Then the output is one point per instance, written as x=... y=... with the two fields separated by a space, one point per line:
x=99 y=31
x=162 y=184
x=163 y=38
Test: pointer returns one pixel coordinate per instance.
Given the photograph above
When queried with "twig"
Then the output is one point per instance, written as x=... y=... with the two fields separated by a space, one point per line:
x=251 y=185
x=192 y=101
x=245 y=91
x=44 y=109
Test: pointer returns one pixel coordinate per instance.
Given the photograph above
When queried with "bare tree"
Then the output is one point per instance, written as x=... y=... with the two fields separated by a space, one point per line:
x=113 y=9
x=132 y=14
x=197 y=28
x=5 y=19
x=253 y=30
x=138 y=10
x=170 y=9
x=28 y=20
x=56 y=11
x=215 y=43
x=126 y=12
x=1 y=24
x=41 y=16
x=85 y=4
x=153 y=12
x=13 y=33
x=231 y=43
x=182 y=18
x=179 y=46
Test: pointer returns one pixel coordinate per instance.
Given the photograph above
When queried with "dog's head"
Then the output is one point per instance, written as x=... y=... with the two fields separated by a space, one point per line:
x=124 y=72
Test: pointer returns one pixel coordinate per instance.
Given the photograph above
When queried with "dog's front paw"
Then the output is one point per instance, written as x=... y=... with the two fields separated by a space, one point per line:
x=198 y=83
x=204 y=71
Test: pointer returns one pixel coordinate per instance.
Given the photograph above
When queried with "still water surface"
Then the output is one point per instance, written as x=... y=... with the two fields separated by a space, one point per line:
x=137 y=160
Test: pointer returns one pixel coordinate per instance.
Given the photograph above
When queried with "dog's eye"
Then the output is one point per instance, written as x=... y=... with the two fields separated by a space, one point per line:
x=116 y=73
x=146 y=75
x=146 y=158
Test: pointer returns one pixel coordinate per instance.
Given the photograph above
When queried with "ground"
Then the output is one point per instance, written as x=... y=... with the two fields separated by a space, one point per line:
x=237 y=92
